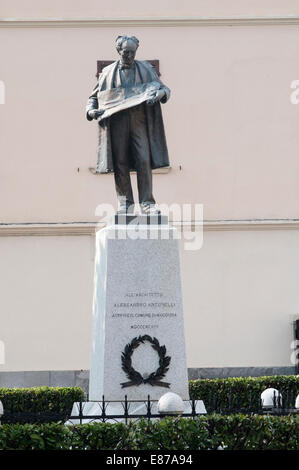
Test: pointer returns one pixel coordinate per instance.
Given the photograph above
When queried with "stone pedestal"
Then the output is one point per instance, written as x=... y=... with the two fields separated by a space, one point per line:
x=138 y=346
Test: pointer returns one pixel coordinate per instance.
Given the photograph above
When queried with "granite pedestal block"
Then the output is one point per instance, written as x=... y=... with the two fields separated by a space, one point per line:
x=138 y=345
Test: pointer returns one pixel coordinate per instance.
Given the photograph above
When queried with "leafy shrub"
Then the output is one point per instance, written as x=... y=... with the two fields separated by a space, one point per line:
x=48 y=404
x=38 y=404
x=242 y=392
x=205 y=432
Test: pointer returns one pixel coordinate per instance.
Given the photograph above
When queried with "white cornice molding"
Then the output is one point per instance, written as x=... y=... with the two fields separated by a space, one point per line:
x=252 y=224
x=89 y=228
x=48 y=229
x=148 y=21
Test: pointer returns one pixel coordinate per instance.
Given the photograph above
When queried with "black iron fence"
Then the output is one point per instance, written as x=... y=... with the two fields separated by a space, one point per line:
x=254 y=404
x=127 y=410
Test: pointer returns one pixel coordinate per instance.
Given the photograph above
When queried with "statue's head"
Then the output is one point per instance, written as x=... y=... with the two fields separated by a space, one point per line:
x=126 y=47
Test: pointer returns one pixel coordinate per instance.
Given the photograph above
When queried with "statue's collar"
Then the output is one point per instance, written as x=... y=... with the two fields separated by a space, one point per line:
x=126 y=67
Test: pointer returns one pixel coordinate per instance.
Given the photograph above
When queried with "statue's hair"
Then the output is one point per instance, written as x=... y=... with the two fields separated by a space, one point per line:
x=121 y=39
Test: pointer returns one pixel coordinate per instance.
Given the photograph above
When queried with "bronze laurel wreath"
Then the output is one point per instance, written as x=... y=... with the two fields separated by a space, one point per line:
x=135 y=377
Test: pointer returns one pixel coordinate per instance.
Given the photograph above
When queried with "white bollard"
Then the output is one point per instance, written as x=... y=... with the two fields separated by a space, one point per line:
x=171 y=403
x=1 y=410
x=270 y=398
x=297 y=402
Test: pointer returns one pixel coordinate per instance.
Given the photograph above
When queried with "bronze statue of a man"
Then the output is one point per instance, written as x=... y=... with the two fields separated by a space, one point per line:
x=126 y=103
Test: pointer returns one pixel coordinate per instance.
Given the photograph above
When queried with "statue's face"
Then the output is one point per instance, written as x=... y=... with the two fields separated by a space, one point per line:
x=127 y=53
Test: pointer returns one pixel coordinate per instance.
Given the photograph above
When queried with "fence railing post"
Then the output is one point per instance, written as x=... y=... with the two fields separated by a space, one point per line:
x=103 y=409
x=80 y=411
x=148 y=414
x=193 y=409
x=126 y=410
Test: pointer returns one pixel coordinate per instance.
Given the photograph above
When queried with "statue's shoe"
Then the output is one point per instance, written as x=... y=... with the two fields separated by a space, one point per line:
x=149 y=209
x=126 y=210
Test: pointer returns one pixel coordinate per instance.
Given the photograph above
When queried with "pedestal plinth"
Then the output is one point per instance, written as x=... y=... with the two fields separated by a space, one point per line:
x=138 y=345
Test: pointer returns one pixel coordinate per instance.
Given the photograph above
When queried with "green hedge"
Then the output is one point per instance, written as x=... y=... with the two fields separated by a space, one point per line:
x=38 y=404
x=55 y=403
x=242 y=392
x=206 y=432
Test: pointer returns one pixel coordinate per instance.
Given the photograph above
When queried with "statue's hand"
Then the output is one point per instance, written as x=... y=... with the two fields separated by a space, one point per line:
x=155 y=97
x=95 y=113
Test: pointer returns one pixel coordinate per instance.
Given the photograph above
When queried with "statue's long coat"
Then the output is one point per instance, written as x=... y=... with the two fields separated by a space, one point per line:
x=159 y=154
